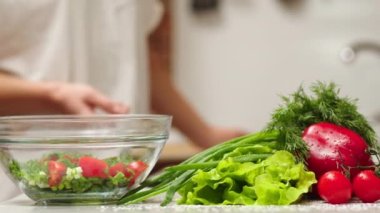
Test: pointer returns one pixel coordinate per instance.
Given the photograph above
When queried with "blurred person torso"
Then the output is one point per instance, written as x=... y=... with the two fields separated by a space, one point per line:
x=97 y=42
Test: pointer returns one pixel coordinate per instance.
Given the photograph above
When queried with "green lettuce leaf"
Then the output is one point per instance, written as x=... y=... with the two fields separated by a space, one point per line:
x=277 y=180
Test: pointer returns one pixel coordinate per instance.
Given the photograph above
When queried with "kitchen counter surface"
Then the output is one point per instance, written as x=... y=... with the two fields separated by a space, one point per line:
x=23 y=204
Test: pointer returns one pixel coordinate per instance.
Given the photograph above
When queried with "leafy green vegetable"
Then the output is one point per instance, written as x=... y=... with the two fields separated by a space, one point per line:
x=277 y=180
x=254 y=147
x=34 y=173
x=15 y=170
x=119 y=180
x=300 y=110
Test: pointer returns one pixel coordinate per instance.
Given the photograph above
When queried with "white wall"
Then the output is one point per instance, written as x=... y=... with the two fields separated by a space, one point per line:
x=234 y=63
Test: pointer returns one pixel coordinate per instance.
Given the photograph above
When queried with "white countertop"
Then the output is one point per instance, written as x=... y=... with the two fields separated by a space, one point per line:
x=23 y=204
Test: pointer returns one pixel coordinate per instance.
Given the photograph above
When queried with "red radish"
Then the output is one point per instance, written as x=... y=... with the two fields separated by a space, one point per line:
x=333 y=147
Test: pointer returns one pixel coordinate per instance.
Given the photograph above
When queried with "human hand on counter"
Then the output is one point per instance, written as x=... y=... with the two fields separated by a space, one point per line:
x=216 y=135
x=24 y=97
x=67 y=98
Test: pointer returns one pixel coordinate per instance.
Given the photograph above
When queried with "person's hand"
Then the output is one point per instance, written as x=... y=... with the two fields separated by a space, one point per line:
x=216 y=135
x=67 y=98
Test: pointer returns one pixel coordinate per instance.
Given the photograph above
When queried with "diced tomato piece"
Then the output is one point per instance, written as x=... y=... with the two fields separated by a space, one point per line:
x=120 y=167
x=71 y=159
x=93 y=167
x=137 y=167
x=53 y=157
x=56 y=171
x=50 y=157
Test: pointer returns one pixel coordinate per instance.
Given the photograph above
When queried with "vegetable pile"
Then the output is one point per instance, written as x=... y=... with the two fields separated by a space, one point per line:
x=323 y=133
x=330 y=136
x=75 y=173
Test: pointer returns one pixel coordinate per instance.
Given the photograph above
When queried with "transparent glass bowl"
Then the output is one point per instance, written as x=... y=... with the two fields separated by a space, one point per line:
x=81 y=159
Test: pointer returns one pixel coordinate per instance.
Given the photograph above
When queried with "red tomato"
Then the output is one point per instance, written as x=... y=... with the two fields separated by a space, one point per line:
x=137 y=167
x=93 y=167
x=56 y=171
x=120 y=167
x=366 y=186
x=334 y=187
x=53 y=157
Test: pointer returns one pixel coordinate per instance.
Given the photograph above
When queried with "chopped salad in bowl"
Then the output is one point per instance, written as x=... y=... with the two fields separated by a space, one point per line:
x=85 y=160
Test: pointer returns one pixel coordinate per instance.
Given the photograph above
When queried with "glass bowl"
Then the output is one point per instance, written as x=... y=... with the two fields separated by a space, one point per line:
x=81 y=159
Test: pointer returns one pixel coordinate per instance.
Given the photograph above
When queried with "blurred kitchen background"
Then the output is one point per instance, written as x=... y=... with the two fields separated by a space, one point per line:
x=234 y=58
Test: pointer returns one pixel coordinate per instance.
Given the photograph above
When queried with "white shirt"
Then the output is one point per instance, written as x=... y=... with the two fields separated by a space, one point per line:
x=97 y=42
